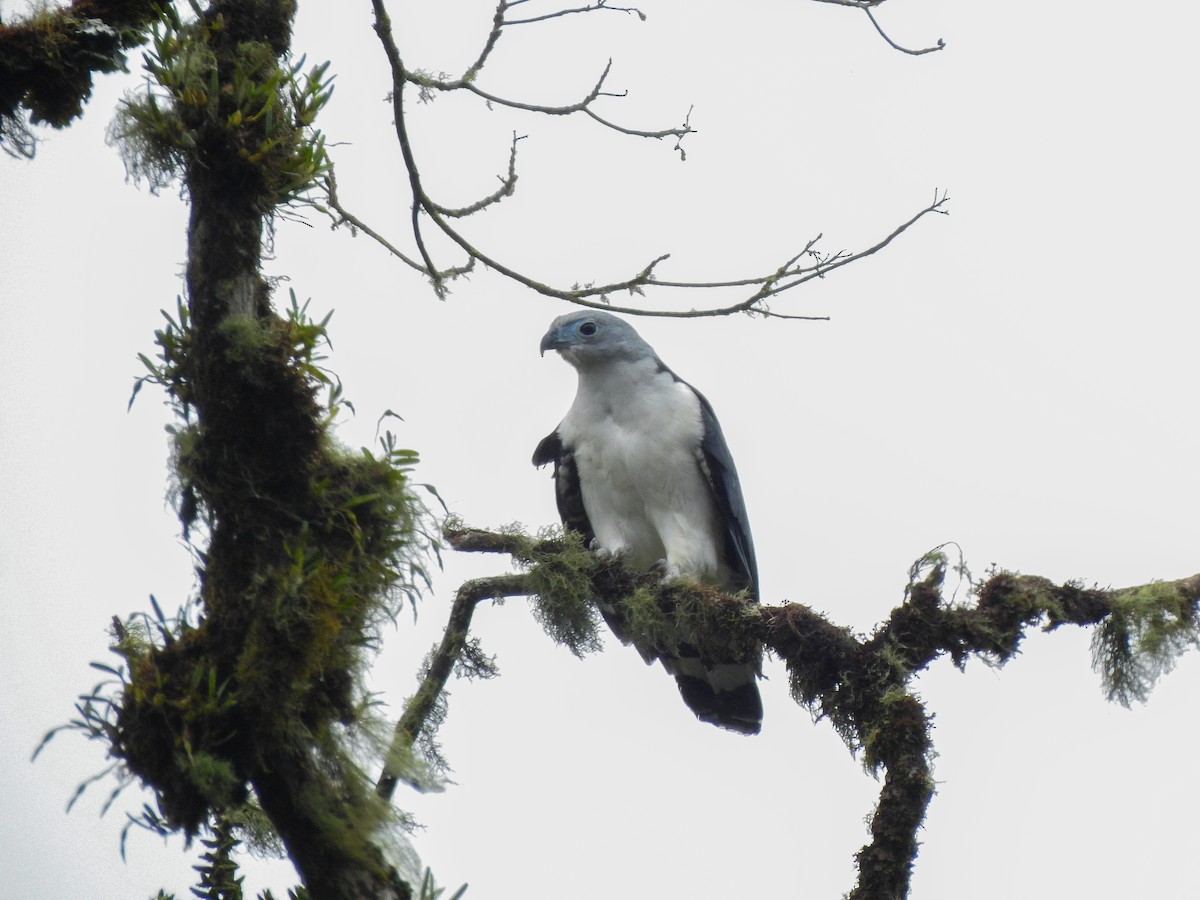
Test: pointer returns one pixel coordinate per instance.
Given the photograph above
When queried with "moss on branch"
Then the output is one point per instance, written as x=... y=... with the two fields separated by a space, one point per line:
x=308 y=547
x=48 y=58
x=862 y=685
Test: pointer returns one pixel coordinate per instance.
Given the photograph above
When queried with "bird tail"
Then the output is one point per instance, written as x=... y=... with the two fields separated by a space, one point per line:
x=723 y=694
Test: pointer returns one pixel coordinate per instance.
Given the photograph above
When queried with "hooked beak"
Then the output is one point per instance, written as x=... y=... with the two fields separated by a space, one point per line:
x=552 y=340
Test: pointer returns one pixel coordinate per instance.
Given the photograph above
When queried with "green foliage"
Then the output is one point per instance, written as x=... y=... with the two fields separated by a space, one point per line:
x=218 y=873
x=297 y=893
x=218 y=869
x=174 y=345
x=312 y=548
x=246 y=111
x=1140 y=640
x=431 y=891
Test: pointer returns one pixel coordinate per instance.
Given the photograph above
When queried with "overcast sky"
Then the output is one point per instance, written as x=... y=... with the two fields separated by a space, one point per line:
x=1019 y=377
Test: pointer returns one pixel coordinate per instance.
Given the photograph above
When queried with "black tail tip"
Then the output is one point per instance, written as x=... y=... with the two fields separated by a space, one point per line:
x=738 y=709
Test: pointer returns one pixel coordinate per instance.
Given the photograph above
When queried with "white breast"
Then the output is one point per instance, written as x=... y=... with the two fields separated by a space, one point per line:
x=636 y=435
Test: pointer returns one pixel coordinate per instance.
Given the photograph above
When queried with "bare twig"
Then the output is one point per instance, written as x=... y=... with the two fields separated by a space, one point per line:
x=799 y=269
x=498 y=23
x=344 y=216
x=383 y=28
x=490 y=44
x=580 y=106
x=939 y=46
x=858 y=4
x=842 y=259
x=508 y=183
x=777 y=282
x=866 y=6
x=595 y=7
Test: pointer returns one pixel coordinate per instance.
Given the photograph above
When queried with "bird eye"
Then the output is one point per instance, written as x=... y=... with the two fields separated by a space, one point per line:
x=587 y=329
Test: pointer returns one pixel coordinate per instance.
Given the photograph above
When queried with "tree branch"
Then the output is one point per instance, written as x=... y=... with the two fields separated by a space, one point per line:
x=940 y=45
x=785 y=278
x=595 y=7
x=490 y=43
x=422 y=705
x=307 y=545
x=807 y=264
x=508 y=184
x=383 y=28
x=580 y=106
x=861 y=685
x=498 y=23
x=866 y=6
x=47 y=62
x=344 y=216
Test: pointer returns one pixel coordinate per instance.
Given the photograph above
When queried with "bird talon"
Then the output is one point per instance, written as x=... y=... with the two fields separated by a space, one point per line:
x=604 y=553
x=666 y=571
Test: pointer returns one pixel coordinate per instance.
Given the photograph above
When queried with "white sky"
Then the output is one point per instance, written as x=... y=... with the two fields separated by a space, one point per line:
x=1018 y=377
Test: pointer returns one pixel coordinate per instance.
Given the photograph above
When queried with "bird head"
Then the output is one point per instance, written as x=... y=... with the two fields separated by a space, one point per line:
x=590 y=336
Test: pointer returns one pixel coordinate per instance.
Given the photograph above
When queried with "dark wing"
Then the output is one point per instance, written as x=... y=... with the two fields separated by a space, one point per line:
x=718 y=468
x=574 y=517
x=566 y=484
x=724 y=691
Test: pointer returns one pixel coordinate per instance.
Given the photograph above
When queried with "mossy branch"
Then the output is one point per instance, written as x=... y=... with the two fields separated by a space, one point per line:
x=48 y=58
x=308 y=545
x=422 y=708
x=557 y=577
x=861 y=685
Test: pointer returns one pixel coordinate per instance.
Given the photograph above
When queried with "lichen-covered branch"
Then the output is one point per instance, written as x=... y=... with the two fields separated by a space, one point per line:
x=508 y=184
x=424 y=704
x=861 y=685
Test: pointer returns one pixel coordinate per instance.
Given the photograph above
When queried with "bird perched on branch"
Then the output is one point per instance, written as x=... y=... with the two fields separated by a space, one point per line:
x=642 y=471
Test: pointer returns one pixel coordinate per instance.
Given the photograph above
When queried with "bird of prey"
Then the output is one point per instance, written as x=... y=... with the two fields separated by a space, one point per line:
x=642 y=471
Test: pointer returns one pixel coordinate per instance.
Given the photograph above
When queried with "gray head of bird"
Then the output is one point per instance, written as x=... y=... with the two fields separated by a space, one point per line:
x=590 y=337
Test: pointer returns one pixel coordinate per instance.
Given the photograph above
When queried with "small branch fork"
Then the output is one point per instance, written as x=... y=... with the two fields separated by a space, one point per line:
x=861 y=685
x=809 y=263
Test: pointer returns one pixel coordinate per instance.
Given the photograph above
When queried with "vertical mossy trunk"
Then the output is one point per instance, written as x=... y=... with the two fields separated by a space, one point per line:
x=885 y=865
x=256 y=446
